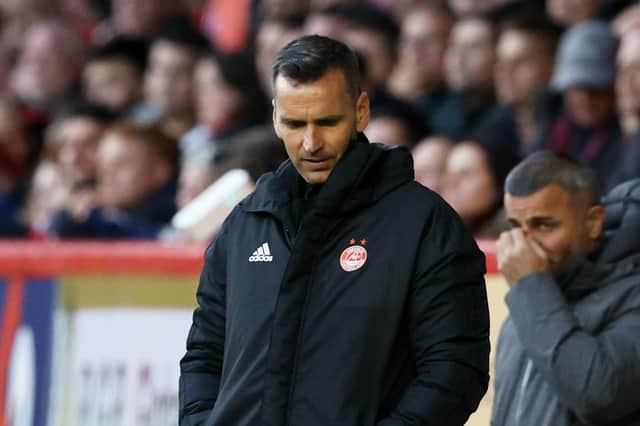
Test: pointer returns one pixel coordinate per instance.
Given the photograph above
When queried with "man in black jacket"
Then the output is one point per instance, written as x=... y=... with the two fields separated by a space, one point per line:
x=340 y=292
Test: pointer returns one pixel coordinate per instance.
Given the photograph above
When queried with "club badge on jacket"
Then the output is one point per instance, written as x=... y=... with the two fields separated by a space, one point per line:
x=354 y=257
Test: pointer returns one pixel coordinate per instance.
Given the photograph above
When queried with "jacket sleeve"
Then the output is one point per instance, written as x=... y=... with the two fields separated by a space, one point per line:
x=449 y=326
x=201 y=367
x=596 y=375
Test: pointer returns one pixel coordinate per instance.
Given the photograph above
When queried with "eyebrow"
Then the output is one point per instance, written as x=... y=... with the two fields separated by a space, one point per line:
x=532 y=220
x=329 y=119
x=541 y=219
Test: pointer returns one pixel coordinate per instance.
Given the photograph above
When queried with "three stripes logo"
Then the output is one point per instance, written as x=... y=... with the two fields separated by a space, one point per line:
x=262 y=254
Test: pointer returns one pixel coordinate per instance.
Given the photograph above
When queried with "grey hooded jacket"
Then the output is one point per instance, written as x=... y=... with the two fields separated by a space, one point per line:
x=569 y=354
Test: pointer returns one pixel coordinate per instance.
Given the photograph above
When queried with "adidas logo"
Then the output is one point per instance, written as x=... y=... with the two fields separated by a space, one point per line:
x=262 y=254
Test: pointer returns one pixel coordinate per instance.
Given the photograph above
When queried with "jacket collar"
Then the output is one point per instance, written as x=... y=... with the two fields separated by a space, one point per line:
x=583 y=276
x=363 y=175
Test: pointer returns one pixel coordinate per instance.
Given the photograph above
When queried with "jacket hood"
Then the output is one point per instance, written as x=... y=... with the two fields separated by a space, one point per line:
x=364 y=174
x=622 y=222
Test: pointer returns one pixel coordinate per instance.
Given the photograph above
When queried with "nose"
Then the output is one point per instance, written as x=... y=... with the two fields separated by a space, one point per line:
x=312 y=141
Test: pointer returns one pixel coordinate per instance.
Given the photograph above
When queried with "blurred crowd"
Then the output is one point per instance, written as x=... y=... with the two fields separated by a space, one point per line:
x=115 y=114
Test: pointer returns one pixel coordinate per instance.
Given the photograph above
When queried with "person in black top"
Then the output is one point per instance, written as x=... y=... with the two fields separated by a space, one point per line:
x=341 y=292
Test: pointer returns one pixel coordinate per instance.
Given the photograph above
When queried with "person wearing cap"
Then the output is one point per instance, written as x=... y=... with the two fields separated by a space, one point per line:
x=586 y=127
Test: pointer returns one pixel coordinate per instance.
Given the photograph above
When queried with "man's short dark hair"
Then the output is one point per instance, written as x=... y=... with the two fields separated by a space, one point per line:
x=538 y=27
x=367 y=17
x=128 y=49
x=308 y=58
x=546 y=168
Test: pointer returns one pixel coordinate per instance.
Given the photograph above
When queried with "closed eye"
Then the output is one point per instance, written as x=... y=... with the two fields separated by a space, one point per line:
x=292 y=124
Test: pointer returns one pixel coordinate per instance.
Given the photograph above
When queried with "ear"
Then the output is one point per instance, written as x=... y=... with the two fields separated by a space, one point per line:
x=274 y=117
x=594 y=221
x=363 y=112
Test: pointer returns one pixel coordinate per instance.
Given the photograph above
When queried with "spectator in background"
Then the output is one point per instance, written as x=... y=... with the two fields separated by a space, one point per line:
x=430 y=161
x=586 y=128
x=374 y=34
x=419 y=75
x=114 y=73
x=135 y=192
x=475 y=173
x=140 y=18
x=168 y=81
x=20 y=15
x=330 y=22
x=48 y=67
x=628 y=96
x=271 y=36
x=396 y=123
x=72 y=141
x=229 y=99
x=15 y=153
x=628 y=83
x=469 y=63
x=525 y=59
x=627 y=20
x=47 y=195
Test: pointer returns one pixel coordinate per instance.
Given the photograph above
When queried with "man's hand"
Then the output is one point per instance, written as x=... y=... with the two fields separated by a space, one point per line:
x=519 y=256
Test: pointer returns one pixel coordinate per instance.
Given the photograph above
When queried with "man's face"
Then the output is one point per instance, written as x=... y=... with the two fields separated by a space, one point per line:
x=562 y=223
x=375 y=48
x=430 y=160
x=46 y=67
x=589 y=107
x=628 y=78
x=168 y=81
x=112 y=83
x=217 y=102
x=470 y=56
x=78 y=144
x=422 y=45
x=125 y=172
x=524 y=65
x=316 y=121
x=469 y=185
